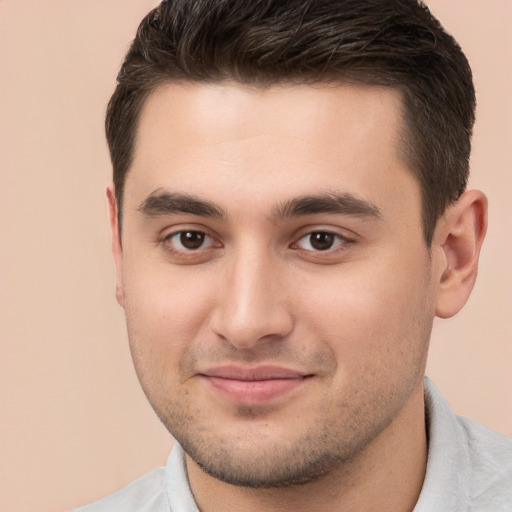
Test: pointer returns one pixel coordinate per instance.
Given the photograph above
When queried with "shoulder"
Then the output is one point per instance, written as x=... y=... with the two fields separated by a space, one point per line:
x=488 y=446
x=490 y=457
x=469 y=466
x=162 y=490
x=146 y=494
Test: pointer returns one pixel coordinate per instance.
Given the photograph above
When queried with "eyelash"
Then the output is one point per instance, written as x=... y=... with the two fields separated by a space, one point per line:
x=172 y=246
x=339 y=242
x=203 y=253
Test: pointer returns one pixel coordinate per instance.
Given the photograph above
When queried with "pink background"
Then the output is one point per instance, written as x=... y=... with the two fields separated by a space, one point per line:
x=74 y=424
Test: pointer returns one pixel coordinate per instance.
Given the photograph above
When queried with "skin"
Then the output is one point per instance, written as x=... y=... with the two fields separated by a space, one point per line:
x=260 y=284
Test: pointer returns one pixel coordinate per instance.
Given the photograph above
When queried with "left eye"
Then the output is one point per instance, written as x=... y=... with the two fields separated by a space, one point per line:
x=190 y=240
x=320 y=241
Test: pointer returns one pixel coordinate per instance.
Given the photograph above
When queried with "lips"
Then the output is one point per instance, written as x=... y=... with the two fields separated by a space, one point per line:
x=253 y=386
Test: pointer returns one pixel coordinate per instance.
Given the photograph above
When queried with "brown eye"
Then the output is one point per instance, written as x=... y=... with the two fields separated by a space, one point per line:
x=192 y=239
x=320 y=241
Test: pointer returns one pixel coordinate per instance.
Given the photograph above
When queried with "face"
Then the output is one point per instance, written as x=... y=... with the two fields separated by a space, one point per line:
x=274 y=275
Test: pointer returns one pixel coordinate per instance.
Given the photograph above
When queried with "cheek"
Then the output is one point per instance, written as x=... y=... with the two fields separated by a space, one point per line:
x=372 y=311
x=165 y=311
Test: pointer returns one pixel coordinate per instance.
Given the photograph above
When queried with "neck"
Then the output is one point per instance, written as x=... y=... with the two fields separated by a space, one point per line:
x=386 y=476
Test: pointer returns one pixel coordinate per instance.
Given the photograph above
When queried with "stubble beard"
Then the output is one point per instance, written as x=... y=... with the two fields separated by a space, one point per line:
x=272 y=464
x=343 y=428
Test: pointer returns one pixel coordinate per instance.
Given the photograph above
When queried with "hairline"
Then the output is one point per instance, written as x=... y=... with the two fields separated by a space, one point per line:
x=405 y=136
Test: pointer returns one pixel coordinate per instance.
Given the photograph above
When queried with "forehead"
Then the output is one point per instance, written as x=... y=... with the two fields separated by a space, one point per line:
x=212 y=112
x=218 y=139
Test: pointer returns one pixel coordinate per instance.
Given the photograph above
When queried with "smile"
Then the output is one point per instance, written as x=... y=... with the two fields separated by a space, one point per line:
x=254 y=386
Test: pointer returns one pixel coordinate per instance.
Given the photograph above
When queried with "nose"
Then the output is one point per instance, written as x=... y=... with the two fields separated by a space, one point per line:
x=252 y=307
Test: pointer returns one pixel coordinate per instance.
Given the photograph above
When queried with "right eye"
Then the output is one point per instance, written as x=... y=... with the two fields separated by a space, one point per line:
x=189 y=240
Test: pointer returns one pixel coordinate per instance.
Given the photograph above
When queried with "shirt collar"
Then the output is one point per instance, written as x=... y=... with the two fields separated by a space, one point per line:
x=448 y=465
x=446 y=478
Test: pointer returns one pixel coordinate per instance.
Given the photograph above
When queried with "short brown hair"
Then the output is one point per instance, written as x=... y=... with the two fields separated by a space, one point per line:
x=391 y=43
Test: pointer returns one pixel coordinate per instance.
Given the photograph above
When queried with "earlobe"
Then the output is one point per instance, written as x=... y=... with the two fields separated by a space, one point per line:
x=117 y=250
x=457 y=240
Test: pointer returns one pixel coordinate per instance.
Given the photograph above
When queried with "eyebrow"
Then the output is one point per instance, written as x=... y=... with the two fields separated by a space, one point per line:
x=330 y=203
x=165 y=203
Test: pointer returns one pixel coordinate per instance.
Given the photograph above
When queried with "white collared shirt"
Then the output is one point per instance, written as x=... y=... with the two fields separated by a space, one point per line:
x=469 y=469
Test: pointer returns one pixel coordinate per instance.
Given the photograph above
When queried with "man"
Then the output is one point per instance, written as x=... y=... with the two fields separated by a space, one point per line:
x=289 y=212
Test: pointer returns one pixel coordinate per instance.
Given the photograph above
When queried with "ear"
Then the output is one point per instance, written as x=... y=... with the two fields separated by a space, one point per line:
x=458 y=238
x=117 y=249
